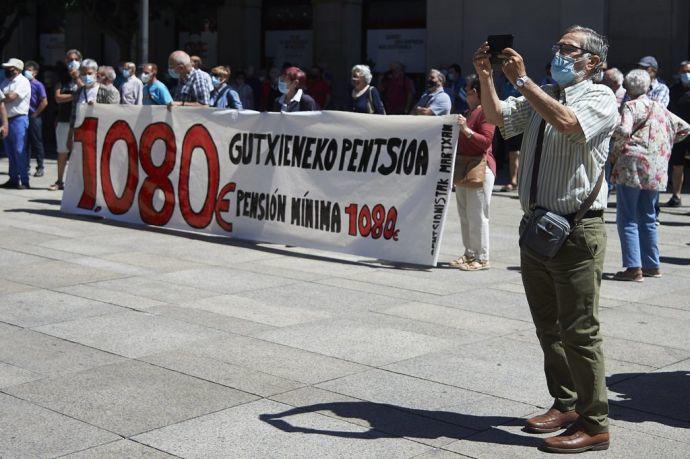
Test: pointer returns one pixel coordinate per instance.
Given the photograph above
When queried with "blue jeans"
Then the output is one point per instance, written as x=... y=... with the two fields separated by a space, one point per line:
x=15 y=147
x=636 y=220
x=35 y=142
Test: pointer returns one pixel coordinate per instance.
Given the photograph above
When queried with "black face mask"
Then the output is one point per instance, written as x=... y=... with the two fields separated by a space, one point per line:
x=430 y=84
x=9 y=73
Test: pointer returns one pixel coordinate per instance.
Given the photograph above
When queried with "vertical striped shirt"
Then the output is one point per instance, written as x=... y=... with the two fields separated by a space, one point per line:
x=570 y=163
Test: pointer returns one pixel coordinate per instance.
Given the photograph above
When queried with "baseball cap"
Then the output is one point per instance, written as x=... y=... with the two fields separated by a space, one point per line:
x=14 y=62
x=648 y=61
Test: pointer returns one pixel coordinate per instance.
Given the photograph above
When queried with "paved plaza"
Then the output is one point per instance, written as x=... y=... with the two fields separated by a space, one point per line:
x=121 y=341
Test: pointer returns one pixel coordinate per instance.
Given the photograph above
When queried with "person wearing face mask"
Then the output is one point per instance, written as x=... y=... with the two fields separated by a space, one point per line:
x=39 y=101
x=434 y=101
x=269 y=90
x=107 y=92
x=86 y=95
x=223 y=96
x=16 y=89
x=132 y=89
x=567 y=129
x=658 y=91
x=244 y=90
x=293 y=98
x=192 y=88
x=318 y=87
x=70 y=83
x=680 y=105
x=155 y=92
x=365 y=98
x=455 y=87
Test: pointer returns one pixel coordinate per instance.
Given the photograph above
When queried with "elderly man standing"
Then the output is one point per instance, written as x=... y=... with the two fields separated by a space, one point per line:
x=132 y=89
x=658 y=91
x=567 y=129
x=107 y=92
x=39 y=101
x=613 y=78
x=17 y=91
x=155 y=92
x=435 y=101
x=192 y=88
x=198 y=63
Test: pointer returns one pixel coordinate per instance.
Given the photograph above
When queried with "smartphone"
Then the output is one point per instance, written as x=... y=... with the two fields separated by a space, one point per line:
x=498 y=43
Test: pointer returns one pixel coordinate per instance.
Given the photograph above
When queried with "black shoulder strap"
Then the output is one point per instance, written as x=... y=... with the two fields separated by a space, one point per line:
x=535 y=165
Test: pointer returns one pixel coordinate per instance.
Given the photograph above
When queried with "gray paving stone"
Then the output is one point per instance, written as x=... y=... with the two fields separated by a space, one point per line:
x=122 y=448
x=11 y=375
x=157 y=290
x=52 y=274
x=442 y=315
x=356 y=341
x=9 y=287
x=490 y=301
x=389 y=418
x=152 y=261
x=285 y=362
x=393 y=278
x=235 y=433
x=226 y=374
x=121 y=298
x=114 y=266
x=649 y=423
x=257 y=311
x=27 y=430
x=652 y=325
x=130 y=397
x=223 y=280
x=210 y=319
x=13 y=258
x=41 y=307
x=320 y=267
x=439 y=454
x=679 y=299
x=349 y=284
x=130 y=334
x=47 y=355
x=91 y=246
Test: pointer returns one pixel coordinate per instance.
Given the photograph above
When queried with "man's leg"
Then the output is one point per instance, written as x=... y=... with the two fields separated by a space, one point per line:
x=678 y=180
x=36 y=141
x=649 y=241
x=626 y=220
x=11 y=151
x=542 y=298
x=576 y=271
x=22 y=149
x=461 y=200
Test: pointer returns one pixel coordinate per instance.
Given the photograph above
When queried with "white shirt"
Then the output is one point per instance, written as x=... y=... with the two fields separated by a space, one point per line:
x=296 y=98
x=132 y=91
x=88 y=94
x=20 y=85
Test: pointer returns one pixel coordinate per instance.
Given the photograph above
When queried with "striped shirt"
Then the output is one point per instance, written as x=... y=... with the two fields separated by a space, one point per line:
x=193 y=88
x=570 y=163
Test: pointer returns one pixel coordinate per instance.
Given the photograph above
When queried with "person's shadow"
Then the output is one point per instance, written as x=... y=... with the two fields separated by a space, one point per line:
x=642 y=397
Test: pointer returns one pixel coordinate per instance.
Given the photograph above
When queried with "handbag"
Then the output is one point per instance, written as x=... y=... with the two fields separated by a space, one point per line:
x=470 y=171
x=543 y=232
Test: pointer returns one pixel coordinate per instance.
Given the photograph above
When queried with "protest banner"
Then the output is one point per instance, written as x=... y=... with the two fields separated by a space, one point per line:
x=370 y=185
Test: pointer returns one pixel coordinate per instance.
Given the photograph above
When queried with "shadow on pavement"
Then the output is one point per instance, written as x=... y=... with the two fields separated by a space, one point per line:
x=391 y=421
x=50 y=202
x=223 y=240
x=675 y=260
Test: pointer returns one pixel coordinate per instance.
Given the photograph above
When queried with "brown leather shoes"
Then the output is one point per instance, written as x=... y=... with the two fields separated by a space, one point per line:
x=576 y=440
x=551 y=421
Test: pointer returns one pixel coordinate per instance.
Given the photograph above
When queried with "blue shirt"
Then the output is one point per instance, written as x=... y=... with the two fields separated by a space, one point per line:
x=438 y=101
x=225 y=97
x=156 y=94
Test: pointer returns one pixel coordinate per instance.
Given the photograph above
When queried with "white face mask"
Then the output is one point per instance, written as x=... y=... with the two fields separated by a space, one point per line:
x=145 y=77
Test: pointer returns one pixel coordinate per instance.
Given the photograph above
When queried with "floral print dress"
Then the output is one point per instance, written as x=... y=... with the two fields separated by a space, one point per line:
x=642 y=144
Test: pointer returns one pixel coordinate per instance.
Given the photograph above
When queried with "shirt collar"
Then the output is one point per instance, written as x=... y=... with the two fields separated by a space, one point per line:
x=572 y=93
x=440 y=89
x=296 y=98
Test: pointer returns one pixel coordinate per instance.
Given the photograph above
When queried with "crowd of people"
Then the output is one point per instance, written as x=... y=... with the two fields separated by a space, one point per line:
x=564 y=134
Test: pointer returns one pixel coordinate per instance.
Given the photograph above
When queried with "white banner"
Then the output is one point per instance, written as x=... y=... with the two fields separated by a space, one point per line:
x=408 y=46
x=370 y=185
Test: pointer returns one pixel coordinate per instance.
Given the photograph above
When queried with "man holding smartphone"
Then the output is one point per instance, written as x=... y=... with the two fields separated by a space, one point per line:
x=567 y=128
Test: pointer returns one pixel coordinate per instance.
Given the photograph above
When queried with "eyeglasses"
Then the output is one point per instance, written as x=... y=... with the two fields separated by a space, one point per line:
x=566 y=49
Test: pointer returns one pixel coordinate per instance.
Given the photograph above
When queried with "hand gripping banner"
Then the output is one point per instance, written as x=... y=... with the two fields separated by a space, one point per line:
x=370 y=185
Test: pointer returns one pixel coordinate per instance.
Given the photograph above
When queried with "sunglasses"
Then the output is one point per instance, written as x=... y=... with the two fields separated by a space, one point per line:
x=566 y=49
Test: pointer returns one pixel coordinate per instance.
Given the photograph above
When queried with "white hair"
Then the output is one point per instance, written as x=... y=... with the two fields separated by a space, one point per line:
x=637 y=82
x=616 y=75
x=439 y=74
x=180 y=57
x=88 y=64
x=108 y=71
x=593 y=43
x=364 y=70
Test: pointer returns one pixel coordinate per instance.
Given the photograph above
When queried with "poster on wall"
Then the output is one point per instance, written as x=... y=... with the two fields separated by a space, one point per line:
x=408 y=46
x=293 y=46
x=52 y=47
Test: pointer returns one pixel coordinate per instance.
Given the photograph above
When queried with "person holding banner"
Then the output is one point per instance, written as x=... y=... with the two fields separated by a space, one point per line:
x=567 y=129
x=223 y=96
x=155 y=92
x=475 y=172
x=86 y=94
x=293 y=98
x=192 y=88
x=365 y=98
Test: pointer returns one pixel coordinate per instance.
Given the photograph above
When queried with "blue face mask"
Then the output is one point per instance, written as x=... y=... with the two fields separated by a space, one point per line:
x=215 y=80
x=563 y=69
x=88 y=80
x=282 y=87
x=125 y=73
x=173 y=74
x=685 y=78
x=73 y=65
x=28 y=75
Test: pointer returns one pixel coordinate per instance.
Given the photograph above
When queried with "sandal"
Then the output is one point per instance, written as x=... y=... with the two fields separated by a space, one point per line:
x=461 y=261
x=651 y=272
x=629 y=275
x=474 y=265
x=57 y=186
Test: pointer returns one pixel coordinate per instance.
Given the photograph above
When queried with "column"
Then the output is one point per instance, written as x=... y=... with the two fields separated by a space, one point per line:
x=239 y=33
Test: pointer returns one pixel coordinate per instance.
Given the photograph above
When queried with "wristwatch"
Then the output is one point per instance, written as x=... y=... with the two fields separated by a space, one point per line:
x=521 y=81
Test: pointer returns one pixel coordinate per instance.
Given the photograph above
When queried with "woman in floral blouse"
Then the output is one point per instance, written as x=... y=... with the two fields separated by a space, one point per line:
x=641 y=151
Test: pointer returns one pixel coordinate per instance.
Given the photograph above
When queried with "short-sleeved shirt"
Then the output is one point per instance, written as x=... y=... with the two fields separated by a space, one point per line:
x=368 y=101
x=64 y=110
x=659 y=92
x=570 y=163
x=438 y=101
x=193 y=88
x=20 y=85
x=38 y=93
x=156 y=93
x=225 y=97
x=107 y=94
x=132 y=91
